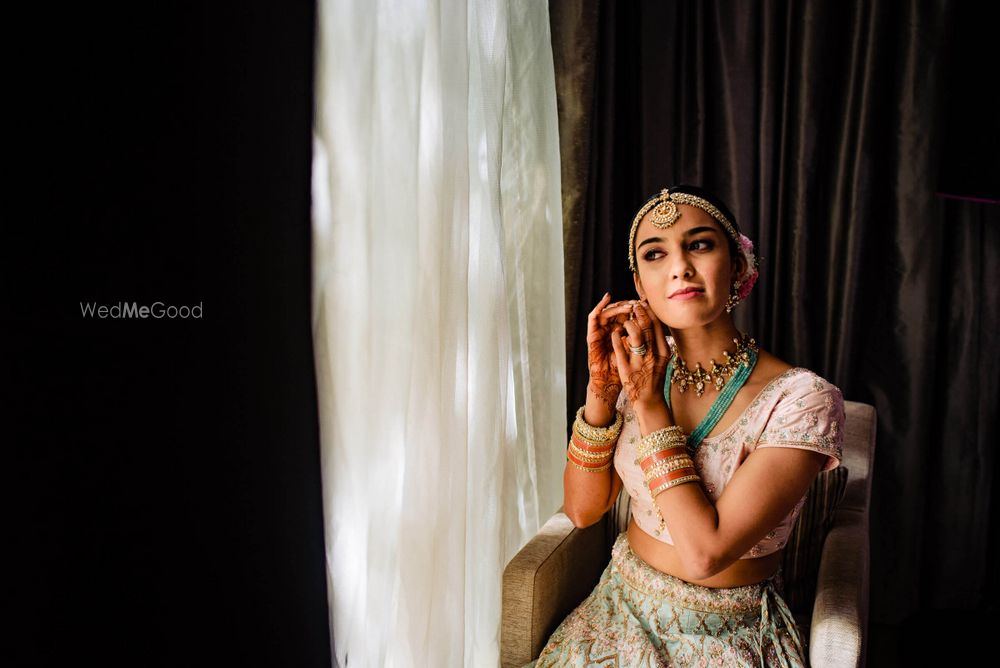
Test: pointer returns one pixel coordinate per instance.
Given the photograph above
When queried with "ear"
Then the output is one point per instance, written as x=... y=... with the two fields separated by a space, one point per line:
x=638 y=286
x=739 y=265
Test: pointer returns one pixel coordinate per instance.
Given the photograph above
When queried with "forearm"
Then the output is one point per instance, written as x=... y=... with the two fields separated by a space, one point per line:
x=586 y=494
x=602 y=397
x=690 y=516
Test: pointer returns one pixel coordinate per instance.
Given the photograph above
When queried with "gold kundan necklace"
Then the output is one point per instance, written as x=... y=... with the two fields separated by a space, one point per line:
x=744 y=358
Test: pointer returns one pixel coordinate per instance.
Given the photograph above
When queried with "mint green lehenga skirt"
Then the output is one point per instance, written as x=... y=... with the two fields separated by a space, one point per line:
x=639 y=616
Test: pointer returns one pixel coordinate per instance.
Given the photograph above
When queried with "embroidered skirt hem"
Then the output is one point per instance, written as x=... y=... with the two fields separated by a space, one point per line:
x=639 y=616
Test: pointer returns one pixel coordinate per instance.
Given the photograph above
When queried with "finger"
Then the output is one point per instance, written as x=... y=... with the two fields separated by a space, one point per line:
x=635 y=337
x=621 y=357
x=600 y=305
x=595 y=321
x=645 y=320
x=662 y=349
x=618 y=312
x=617 y=307
x=661 y=356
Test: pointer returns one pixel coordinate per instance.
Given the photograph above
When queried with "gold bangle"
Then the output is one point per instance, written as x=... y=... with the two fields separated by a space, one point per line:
x=594 y=434
x=677 y=461
x=591 y=443
x=662 y=437
x=584 y=468
x=661 y=469
x=588 y=456
x=673 y=483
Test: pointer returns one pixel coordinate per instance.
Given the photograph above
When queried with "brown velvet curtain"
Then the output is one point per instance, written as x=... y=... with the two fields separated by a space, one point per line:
x=821 y=124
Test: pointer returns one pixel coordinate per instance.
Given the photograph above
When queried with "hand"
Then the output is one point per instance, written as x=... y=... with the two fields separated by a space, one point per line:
x=642 y=375
x=605 y=383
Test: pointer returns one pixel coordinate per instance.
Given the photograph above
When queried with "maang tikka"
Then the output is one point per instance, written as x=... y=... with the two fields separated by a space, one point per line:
x=665 y=214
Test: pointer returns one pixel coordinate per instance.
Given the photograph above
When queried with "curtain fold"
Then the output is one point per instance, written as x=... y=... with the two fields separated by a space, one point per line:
x=820 y=124
x=574 y=27
x=438 y=317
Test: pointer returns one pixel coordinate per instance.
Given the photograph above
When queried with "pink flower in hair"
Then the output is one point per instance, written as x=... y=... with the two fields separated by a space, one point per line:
x=747 y=286
x=746 y=247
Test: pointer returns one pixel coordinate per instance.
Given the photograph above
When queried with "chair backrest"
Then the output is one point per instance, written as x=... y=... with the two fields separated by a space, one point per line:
x=859 y=455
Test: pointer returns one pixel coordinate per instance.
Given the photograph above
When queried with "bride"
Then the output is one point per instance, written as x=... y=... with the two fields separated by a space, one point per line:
x=716 y=441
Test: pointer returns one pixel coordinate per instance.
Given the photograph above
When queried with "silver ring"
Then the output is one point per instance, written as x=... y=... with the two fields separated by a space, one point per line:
x=638 y=350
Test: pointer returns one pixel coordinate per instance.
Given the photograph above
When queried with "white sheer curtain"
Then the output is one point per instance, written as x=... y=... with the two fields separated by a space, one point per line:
x=438 y=317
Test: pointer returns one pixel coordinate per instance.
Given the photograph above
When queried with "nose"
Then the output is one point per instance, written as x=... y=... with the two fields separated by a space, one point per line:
x=681 y=267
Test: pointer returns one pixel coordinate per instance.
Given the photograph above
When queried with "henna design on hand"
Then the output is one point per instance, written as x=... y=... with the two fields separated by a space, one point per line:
x=608 y=394
x=637 y=381
x=604 y=381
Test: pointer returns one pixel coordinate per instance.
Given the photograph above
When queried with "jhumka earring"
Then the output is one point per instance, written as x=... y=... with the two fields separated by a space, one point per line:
x=734 y=297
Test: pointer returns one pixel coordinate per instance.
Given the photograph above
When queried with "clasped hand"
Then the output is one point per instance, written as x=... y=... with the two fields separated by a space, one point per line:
x=628 y=325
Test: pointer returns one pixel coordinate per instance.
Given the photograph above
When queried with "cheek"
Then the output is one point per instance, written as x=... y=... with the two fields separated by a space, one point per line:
x=721 y=279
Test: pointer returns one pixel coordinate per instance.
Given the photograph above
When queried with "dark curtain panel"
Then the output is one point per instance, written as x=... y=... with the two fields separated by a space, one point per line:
x=821 y=124
x=167 y=471
x=574 y=53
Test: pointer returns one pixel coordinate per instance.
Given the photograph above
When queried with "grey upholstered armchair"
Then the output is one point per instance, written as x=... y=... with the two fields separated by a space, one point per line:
x=556 y=570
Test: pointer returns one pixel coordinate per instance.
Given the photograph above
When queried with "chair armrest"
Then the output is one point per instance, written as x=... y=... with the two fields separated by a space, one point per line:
x=544 y=582
x=838 y=627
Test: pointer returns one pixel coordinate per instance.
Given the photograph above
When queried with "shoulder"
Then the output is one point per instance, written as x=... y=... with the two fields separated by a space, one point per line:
x=803 y=392
x=795 y=382
x=808 y=386
x=769 y=367
x=769 y=374
x=809 y=414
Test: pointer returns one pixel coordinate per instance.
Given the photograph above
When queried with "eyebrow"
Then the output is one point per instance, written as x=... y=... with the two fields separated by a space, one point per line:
x=691 y=232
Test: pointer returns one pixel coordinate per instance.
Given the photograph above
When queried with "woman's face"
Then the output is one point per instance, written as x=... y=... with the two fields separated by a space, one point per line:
x=691 y=253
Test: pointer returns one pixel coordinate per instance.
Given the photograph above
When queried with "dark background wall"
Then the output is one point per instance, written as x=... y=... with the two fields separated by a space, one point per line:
x=166 y=497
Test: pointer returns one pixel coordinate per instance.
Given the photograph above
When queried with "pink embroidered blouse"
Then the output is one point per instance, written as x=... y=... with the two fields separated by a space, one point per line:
x=796 y=409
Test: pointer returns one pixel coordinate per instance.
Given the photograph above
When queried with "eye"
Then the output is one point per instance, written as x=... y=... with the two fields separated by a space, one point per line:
x=707 y=244
x=651 y=254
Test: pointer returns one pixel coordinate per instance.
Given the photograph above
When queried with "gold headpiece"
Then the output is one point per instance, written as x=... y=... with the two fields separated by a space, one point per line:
x=665 y=214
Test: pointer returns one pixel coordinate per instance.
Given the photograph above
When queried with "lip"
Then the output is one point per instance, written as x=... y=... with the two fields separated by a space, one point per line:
x=688 y=293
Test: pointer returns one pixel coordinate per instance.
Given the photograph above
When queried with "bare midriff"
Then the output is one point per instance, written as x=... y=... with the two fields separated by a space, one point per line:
x=664 y=558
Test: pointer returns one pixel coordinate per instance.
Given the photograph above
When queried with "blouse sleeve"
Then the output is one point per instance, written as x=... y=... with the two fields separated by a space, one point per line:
x=809 y=416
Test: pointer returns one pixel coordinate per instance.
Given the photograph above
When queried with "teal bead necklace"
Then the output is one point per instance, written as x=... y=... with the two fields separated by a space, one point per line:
x=738 y=367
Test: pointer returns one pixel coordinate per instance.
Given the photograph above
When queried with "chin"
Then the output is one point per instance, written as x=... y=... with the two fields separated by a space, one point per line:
x=682 y=321
x=686 y=323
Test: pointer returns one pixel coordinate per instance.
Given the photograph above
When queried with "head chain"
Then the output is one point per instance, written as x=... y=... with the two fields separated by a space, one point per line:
x=667 y=214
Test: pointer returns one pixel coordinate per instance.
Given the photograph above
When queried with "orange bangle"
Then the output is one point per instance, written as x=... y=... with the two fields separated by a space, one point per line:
x=586 y=465
x=586 y=447
x=673 y=475
x=660 y=456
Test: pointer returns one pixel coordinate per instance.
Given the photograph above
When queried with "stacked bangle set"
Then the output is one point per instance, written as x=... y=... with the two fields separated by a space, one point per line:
x=664 y=459
x=663 y=455
x=591 y=448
